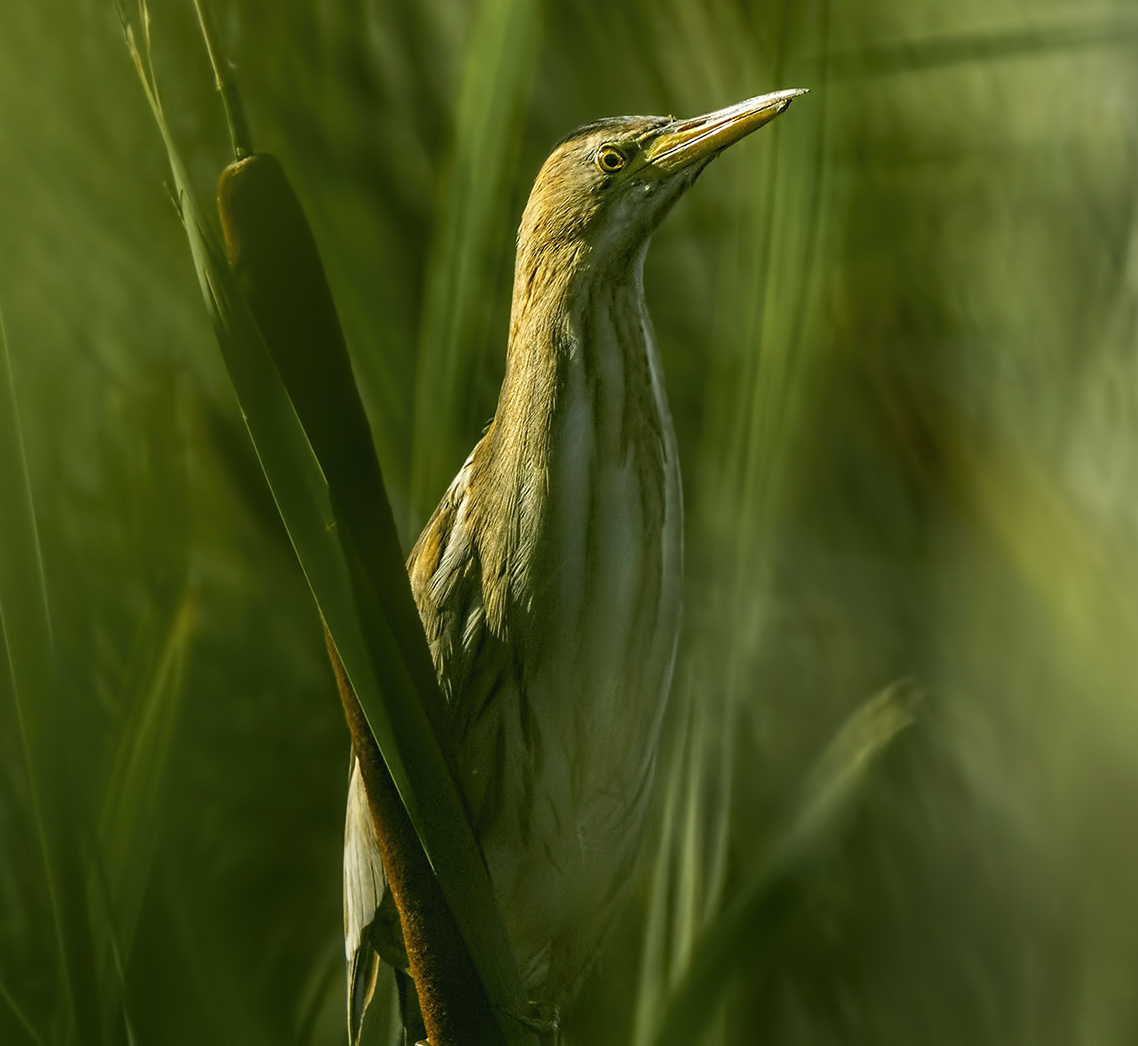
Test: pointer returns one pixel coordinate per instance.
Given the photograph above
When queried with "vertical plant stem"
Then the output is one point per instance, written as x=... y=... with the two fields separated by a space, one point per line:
x=44 y=727
x=499 y=63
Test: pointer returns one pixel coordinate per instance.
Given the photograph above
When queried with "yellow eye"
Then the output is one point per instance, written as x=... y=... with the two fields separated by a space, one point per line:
x=610 y=159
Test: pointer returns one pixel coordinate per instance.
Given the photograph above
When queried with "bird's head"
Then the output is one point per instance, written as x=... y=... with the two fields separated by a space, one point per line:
x=605 y=188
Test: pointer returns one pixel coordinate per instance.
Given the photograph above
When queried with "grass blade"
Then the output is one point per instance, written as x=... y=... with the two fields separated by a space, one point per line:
x=129 y=820
x=20 y=1016
x=26 y=625
x=826 y=800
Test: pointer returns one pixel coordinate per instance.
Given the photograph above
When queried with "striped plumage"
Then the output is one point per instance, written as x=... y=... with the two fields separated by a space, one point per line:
x=548 y=579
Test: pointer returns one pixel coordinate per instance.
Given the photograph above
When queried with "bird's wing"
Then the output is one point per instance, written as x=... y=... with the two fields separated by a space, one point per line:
x=446 y=578
x=472 y=661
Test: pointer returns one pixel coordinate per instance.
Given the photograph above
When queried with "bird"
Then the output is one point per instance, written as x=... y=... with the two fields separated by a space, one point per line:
x=549 y=578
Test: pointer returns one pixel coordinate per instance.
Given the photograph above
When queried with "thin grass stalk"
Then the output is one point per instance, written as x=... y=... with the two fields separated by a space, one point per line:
x=240 y=135
x=21 y=1017
x=718 y=834
x=29 y=657
x=44 y=726
x=130 y=815
x=499 y=64
x=685 y=887
x=760 y=443
x=113 y=975
x=689 y=881
x=655 y=961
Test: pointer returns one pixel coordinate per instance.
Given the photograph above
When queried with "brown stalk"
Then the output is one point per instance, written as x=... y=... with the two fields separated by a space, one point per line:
x=273 y=255
x=453 y=1003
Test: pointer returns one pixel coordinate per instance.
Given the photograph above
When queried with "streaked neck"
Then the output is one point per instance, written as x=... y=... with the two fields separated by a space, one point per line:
x=579 y=374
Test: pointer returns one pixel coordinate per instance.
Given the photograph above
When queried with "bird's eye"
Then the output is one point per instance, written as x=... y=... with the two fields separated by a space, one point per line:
x=610 y=159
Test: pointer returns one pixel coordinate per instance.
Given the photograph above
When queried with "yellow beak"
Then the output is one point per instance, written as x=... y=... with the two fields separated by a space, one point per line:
x=686 y=142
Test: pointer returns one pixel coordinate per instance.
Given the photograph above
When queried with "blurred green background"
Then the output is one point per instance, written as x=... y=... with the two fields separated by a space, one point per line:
x=899 y=330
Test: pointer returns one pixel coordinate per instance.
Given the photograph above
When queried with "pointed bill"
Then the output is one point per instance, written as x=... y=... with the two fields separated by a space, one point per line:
x=686 y=142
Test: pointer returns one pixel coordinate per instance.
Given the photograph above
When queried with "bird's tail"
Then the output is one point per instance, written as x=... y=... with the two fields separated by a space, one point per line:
x=363 y=972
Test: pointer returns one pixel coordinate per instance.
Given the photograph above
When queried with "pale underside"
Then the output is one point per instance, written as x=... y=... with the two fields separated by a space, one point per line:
x=554 y=644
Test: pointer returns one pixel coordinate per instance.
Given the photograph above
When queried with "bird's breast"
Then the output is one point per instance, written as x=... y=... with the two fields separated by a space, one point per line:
x=593 y=637
x=606 y=601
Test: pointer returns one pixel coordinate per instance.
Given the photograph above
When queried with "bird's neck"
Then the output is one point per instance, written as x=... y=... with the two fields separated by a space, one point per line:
x=579 y=343
x=579 y=326
x=581 y=381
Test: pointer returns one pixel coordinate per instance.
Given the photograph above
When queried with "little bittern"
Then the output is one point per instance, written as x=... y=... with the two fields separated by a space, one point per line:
x=548 y=579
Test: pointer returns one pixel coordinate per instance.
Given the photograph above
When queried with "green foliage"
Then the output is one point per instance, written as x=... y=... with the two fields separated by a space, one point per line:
x=898 y=328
